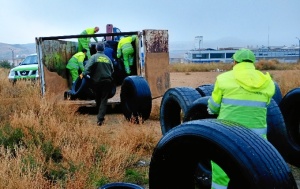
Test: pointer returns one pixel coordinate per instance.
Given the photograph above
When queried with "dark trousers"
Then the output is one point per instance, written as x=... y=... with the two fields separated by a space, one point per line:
x=102 y=91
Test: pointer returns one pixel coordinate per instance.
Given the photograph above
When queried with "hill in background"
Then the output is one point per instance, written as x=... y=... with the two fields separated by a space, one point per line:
x=18 y=50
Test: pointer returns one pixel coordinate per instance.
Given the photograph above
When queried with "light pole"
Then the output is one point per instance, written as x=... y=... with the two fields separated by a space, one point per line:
x=298 y=48
x=12 y=56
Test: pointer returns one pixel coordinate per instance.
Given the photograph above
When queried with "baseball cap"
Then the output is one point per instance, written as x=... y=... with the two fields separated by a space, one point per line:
x=244 y=55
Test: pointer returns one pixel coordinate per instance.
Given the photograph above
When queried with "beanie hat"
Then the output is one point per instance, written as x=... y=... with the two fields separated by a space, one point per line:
x=244 y=55
x=100 y=46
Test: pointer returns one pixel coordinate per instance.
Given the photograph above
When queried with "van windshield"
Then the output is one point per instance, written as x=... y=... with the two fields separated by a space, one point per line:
x=29 y=60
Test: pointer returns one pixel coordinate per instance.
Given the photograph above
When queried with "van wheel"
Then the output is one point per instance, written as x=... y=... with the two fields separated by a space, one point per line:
x=121 y=185
x=205 y=90
x=136 y=99
x=174 y=102
x=249 y=160
x=289 y=107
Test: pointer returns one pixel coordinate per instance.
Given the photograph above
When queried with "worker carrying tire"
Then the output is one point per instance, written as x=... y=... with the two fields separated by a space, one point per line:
x=75 y=64
x=83 y=43
x=241 y=95
x=126 y=50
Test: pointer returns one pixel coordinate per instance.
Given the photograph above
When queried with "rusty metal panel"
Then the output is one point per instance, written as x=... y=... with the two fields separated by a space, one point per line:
x=156 y=41
x=157 y=61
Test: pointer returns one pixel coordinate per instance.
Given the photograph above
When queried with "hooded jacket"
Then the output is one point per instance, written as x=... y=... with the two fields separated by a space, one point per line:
x=242 y=95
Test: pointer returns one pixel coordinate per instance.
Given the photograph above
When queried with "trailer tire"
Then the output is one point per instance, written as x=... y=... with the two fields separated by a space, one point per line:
x=121 y=185
x=205 y=90
x=249 y=160
x=289 y=107
x=173 y=102
x=136 y=99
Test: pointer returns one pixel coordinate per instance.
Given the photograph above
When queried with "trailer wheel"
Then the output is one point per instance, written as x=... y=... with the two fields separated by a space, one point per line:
x=289 y=107
x=136 y=99
x=277 y=96
x=121 y=185
x=174 y=102
x=249 y=160
x=205 y=90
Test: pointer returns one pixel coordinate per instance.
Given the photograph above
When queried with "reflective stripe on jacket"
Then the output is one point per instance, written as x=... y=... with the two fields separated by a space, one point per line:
x=76 y=61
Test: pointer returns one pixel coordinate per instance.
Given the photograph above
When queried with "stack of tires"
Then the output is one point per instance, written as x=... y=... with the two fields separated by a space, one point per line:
x=184 y=153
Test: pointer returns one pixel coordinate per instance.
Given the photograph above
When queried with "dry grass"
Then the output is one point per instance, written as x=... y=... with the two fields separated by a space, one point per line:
x=48 y=145
x=210 y=67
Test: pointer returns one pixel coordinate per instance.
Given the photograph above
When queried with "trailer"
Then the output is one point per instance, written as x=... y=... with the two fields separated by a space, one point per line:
x=149 y=79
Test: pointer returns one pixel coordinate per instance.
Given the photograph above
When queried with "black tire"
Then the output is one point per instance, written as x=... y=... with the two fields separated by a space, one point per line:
x=205 y=90
x=121 y=185
x=198 y=110
x=277 y=96
x=81 y=89
x=79 y=86
x=136 y=99
x=249 y=160
x=289 y=107
x=278 y=135
x=173 y=102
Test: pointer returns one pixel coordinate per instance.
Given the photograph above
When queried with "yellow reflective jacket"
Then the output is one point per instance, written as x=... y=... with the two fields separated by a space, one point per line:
x=242 y=95
x=76 y=61
x=125 y=44
x=89 y=31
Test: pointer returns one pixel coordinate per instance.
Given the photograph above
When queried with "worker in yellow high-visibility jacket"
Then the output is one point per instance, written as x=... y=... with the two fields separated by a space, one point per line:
x=125 y=48
x=83 y=43
x=241 y=95
x=75 y=64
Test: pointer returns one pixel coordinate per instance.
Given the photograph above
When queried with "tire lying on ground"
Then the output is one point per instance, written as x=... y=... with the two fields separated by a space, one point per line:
x=174 y=102
x=136 y=99
x=290 y=107
x=277 y=96
x=249 y=160
x=205 y=90
x=198 y=110
x=121 y=185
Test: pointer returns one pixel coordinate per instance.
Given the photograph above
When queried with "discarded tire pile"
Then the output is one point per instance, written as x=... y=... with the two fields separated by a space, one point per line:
x=181 y=105
x=192 y=138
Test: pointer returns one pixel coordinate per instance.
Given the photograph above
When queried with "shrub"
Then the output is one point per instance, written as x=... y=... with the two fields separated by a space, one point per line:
x=5 y=64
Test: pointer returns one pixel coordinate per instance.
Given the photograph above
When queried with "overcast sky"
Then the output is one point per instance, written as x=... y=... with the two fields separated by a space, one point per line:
x=222 y=23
